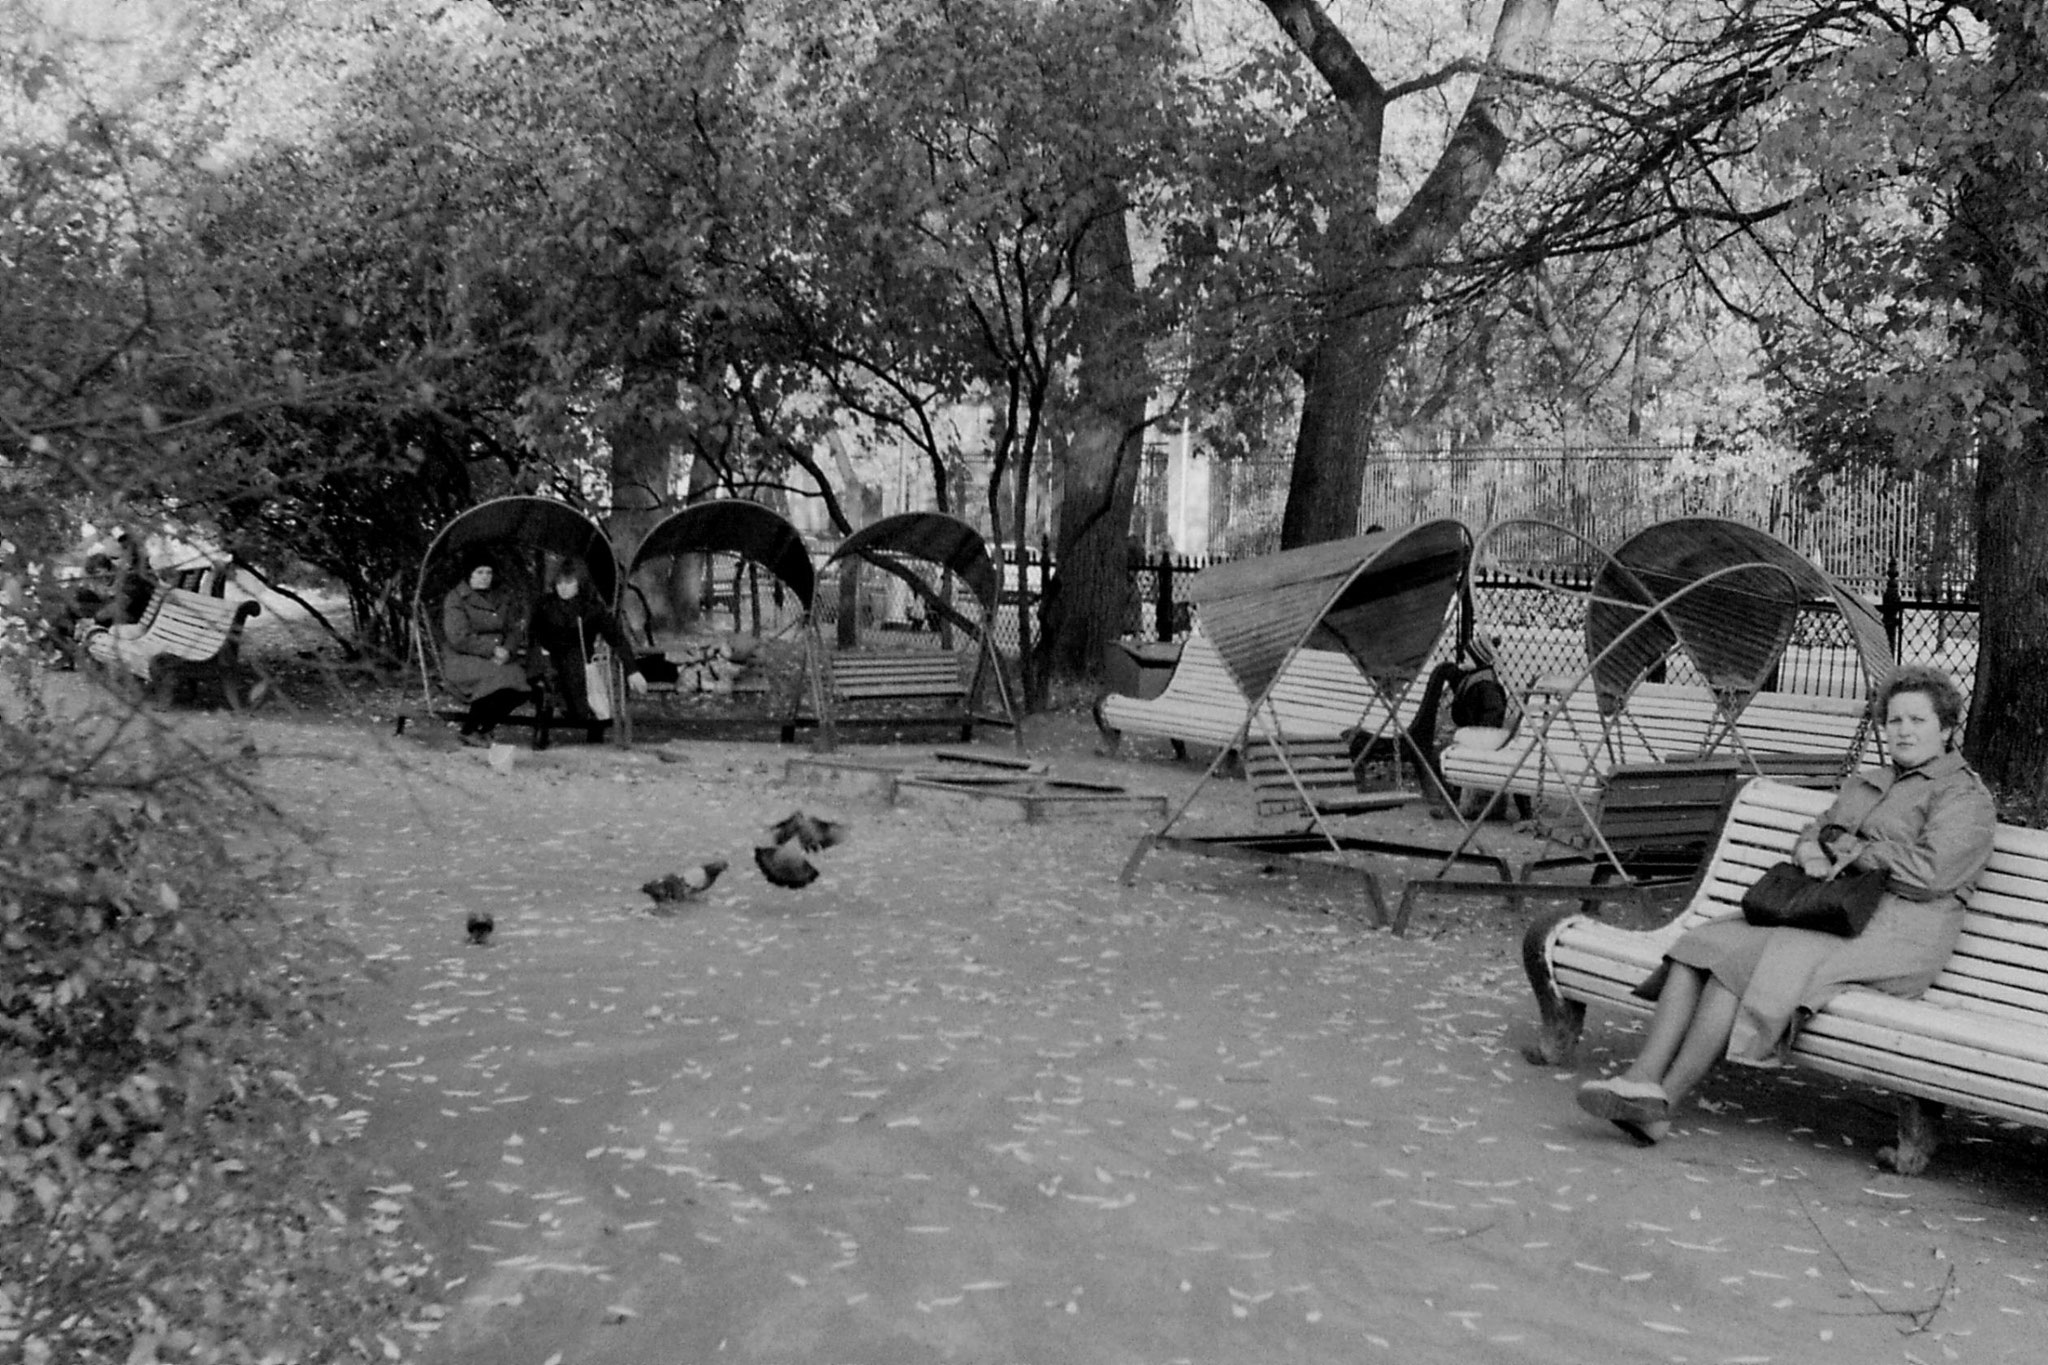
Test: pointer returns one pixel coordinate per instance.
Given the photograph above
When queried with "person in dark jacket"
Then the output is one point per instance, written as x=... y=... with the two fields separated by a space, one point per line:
x=567 y=623
x=485 y=632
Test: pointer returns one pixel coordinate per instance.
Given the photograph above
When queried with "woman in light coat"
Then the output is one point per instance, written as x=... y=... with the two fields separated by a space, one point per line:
x=1740 y=990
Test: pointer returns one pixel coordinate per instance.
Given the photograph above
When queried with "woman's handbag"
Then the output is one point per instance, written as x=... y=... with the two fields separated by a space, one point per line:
x=597 y=676
x=1786 y=897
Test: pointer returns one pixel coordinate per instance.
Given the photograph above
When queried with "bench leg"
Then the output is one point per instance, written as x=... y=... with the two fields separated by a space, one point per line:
x=1919 y=1136
x=1562 y=1020
x=1112 y=738
x=1130 y=872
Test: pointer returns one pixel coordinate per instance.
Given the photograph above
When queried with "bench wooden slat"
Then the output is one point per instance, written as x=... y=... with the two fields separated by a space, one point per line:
x=1977 y=1038
x=1318 y=695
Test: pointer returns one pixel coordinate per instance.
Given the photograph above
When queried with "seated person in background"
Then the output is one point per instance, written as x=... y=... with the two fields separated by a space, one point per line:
x=85 y=608
x=567 y=623
x=485 y=632
x=1740 y=990
x=1478 y=697
x=134 y=584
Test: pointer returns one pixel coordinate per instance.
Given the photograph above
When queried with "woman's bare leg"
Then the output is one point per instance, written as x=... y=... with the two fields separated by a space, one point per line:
x=1670 y=1025
x=1713 y=1019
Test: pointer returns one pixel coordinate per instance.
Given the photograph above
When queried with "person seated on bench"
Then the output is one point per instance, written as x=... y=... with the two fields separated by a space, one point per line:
x=1478 y=700
x=566 y=623
x=486 y=634
x=1741 y=990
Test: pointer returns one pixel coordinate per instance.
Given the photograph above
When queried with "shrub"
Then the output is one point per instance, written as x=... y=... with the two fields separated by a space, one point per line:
x=174 y=1176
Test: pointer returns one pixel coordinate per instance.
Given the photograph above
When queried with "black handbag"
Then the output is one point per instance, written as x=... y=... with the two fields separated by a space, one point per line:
x=1786 y=897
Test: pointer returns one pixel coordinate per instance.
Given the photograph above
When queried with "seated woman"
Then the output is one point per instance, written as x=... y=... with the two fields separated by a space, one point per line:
x=485 y=633
x=566 y=623
x=1741 y=990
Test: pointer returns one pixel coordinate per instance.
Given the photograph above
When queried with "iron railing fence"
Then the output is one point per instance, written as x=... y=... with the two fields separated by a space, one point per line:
x=1853 y=523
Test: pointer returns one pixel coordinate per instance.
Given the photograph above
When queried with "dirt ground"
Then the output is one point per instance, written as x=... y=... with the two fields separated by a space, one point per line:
x=969 y=1099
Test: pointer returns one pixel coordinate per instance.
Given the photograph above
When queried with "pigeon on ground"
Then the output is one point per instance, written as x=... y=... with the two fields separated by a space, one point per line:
x=682 y=886
x=480 y=925
x=785 y=864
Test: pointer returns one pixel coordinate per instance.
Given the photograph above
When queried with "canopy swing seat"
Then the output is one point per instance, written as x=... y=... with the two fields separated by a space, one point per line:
x=1380 y=601
x=524 y=537
x=895 y=687
x=757 y=538
x=1643 y=767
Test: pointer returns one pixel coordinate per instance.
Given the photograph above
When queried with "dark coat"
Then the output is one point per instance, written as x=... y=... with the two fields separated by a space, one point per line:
x=475 y=625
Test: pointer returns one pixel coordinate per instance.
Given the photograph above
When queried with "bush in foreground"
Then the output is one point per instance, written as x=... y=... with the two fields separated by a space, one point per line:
x=174 y=1176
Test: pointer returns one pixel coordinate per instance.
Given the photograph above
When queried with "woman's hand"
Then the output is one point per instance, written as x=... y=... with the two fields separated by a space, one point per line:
x=1815 y=863
x=500 y=654
x=636 y=684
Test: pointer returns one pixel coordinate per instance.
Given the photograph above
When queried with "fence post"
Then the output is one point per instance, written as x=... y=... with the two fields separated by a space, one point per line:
x=1162 y=600
x=1892 y=607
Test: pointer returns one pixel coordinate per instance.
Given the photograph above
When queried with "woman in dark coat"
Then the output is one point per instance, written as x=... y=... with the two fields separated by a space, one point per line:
x=1740 y=991
x=567 y=624
x=486 y=634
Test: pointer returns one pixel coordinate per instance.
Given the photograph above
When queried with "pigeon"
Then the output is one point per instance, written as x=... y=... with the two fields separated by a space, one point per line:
x=682 y=886
x=784 y=857
x=812 y=831
x=480 y=925
x=785 y=864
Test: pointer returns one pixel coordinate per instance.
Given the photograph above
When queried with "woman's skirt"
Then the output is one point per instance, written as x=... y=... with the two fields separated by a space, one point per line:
x=1780 y=976
x=473 y=679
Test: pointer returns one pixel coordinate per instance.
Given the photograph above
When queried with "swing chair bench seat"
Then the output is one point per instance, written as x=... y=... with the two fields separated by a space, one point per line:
x=183 y=635
x=1321 y=768
x=1318 y=696
x=1661 y=723
x=868 y=690
x=1978 y=1038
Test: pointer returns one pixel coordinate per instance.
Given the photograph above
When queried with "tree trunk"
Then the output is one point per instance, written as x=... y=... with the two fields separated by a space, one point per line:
x=1996 y=238
x=1372 y=275
x=1344 y=381
x=640 y=472
x=2008 y=732
x=1087 y=601
x=640 y=458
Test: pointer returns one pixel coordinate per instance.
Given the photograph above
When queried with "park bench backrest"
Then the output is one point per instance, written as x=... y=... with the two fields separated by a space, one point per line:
x=189 y=625
x=886 y=676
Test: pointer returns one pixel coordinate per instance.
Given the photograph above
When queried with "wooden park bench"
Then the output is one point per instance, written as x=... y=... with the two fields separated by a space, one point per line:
x=183 y=636
x=1977 y=1039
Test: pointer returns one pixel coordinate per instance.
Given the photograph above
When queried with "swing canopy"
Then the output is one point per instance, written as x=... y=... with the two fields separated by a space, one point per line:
x=733 y=526
x=1734 y=628
x=1381 y=598
x=935 y=538
x=517 y=534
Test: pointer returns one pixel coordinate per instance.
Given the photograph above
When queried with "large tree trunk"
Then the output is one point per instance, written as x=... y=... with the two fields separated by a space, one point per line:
x=1373 y=275
x=1995 y=237
x=1342 y=396
x=2008 y=732
x=1087 y=601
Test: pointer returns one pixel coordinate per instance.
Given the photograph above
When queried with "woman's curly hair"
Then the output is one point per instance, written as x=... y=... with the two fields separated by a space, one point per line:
x=1939 y=689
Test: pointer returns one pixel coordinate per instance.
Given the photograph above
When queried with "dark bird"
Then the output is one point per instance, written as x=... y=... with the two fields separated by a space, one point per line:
x=480 y=925
x=682 y=886
x=786 y=864
x=812 y=831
